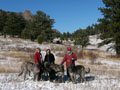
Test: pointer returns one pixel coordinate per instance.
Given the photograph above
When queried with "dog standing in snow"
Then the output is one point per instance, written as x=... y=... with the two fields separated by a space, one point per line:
x=27 y=68
x=77 y=71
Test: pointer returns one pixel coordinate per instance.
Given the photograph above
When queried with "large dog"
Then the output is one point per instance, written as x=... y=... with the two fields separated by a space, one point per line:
x=59 y=70
x=28 y=67
x=53 y=71
x=79 y=71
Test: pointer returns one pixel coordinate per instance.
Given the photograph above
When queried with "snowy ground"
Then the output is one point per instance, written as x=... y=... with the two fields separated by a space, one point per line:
x=104 y=73
x=13 y=82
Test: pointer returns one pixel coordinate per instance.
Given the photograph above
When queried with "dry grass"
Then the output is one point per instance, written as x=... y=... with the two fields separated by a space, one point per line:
x=16 y=57
x=86 y=54
x=80 y=54
x=56 y=47
x=23 y=56
x=10 y=68
x=92 y=56
x=60 y=54
x=99 y=68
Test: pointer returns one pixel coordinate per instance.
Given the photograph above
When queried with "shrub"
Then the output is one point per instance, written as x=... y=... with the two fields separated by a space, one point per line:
x=40 y=39
x=92 y=56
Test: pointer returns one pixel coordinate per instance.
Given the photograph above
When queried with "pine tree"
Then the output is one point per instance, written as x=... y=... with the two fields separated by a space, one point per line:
x=40 y=24
x=14 y=24
x=81 y=38
x=110 y=24
x=3 y=17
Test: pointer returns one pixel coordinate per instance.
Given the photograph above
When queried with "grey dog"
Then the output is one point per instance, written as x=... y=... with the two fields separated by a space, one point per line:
x=77 y=71
x=53 y=71
x=28 y=67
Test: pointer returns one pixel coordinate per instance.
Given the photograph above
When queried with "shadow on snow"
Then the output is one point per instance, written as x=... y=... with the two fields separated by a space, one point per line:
x=87 y=78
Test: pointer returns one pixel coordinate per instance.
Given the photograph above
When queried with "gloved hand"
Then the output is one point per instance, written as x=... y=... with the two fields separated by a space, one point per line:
x=72 y=59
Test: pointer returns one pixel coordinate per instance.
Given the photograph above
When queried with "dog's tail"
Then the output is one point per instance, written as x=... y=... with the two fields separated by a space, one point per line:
x=87 y=71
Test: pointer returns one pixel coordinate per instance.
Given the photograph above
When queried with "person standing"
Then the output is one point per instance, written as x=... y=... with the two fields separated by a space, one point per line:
x=49 y=57
x=69 y=58
x=38 y=61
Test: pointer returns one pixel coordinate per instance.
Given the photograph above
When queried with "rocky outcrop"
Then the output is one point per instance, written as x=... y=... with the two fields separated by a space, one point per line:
x=27 y=15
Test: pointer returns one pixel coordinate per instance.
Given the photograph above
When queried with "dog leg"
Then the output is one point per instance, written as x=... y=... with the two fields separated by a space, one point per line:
x=25 y=72
x=83 y=76
x=34 y=76
x=29 y=73
x=75 y=79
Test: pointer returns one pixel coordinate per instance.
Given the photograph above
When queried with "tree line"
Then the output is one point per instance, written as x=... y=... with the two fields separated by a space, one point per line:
x=81 y=36
x=38 y=27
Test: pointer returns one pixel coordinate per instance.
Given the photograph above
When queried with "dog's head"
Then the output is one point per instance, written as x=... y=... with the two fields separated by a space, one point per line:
x=46 y=65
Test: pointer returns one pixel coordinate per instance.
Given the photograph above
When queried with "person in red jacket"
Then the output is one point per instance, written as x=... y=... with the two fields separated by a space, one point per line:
x=69 y=58
x=37 y=57
x=38 y=61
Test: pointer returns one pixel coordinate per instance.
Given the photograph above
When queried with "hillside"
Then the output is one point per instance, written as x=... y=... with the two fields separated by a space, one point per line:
x=104 y=75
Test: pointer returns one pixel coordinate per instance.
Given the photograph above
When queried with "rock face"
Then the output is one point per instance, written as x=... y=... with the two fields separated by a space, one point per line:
x=27 y=15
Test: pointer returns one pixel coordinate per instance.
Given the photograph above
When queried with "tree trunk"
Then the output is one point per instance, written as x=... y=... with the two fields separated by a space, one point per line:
x=4 y=35
x=117 y=49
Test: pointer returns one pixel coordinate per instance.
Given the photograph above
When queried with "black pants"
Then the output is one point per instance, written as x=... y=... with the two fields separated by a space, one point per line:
x=39 y=76
x=68 y=74
x=52 y=74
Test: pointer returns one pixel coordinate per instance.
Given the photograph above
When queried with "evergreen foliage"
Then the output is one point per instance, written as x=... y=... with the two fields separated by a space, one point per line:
x=3 y=17
x=14 y=24
x=40 y=39
x=110 y=24
x=81 y=38
x=41 y=24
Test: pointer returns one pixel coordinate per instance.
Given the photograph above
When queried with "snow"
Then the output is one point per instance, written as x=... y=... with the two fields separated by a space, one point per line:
x=94 y=45
x=21 y=44
x=10 y=81
x=94 y=40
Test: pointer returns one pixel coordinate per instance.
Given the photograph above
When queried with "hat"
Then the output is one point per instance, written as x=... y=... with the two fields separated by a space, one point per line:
x=69 y=48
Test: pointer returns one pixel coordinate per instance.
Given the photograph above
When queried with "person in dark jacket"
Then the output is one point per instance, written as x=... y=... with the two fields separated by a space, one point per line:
x=69 y=58
x=49 y=57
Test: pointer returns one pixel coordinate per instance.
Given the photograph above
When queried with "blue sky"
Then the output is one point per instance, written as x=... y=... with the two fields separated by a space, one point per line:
x=69 y=15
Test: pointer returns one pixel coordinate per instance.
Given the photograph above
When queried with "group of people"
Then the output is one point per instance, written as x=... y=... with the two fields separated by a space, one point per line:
x=69 y=58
